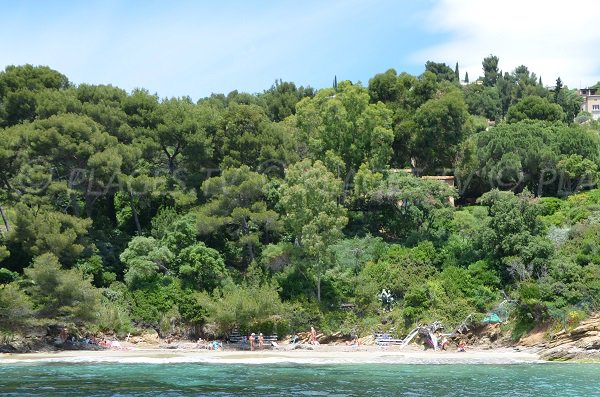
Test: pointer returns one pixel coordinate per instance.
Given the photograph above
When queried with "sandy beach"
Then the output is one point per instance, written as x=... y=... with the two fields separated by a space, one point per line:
x=321 y=355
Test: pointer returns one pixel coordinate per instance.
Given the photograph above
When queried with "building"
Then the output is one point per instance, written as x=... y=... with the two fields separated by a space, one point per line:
x=591 y=102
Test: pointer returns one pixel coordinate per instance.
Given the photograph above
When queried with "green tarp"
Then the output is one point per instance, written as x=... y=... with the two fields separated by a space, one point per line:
x=492 y=318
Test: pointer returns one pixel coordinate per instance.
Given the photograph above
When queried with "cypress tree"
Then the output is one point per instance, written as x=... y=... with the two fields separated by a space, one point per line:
x=467 y=77
x=457 y=73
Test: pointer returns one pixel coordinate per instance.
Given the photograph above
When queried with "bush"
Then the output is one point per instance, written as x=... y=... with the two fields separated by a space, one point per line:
x=62 y=293
x=114 y=318
x=6 y=276
x=16 y=309
x=243 y=306
x=150 y=302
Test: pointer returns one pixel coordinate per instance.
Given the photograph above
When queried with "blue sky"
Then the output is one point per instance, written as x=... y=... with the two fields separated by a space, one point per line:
x=195 y=48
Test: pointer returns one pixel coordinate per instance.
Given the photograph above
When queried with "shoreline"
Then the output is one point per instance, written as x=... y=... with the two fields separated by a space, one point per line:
x=322 y=355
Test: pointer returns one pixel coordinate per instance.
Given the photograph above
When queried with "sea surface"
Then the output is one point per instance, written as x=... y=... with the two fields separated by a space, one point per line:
x=284 y=379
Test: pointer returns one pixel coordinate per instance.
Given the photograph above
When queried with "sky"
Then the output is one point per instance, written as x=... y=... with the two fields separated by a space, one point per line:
x=195 y=48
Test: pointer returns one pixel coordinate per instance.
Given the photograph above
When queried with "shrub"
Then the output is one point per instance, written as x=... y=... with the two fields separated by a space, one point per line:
x=16 y=309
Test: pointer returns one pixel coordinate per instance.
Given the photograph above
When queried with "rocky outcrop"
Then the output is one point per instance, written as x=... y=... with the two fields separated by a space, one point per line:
x=27 y=340
x=581 y=343
x=148 y=337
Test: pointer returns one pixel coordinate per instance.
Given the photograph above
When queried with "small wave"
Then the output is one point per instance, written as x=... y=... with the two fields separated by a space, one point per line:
x=170 y=357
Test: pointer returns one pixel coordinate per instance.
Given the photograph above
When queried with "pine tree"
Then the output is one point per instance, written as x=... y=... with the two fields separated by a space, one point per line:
x=557 y=89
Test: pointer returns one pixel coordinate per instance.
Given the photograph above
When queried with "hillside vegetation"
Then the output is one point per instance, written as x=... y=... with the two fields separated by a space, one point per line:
x=272 y=211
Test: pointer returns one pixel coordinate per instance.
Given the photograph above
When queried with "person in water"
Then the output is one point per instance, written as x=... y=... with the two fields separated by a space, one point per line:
x=261 y=341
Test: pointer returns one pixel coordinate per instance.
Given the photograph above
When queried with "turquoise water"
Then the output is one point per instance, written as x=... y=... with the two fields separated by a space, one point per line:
x=60 y=379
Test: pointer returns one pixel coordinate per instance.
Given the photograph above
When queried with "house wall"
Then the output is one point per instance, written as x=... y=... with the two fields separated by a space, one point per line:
x=591 y=101
x=592 y=104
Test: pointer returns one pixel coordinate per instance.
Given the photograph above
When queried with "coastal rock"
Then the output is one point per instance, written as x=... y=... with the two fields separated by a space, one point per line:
x=148 y=337
x=581 y=343
x=24 y=344
x=589 y=343
x=304 y=346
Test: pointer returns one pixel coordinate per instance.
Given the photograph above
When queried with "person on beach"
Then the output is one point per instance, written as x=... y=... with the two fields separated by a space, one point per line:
x=444 y=343
x=353 y=338
x=461 y=346
x=313 y=336
x=252 y=335
x=63 y=335
x=261 y=341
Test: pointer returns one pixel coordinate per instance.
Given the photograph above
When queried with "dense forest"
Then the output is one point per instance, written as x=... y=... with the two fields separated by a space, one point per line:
x=274 y=211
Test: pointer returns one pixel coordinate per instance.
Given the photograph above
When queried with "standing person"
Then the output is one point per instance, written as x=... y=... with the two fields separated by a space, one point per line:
x=445 y=342
x=313 y=336
x=261 y=341
x=63 y=335
x=252 y=341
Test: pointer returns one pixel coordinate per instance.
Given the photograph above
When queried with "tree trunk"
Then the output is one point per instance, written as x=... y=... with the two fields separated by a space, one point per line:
x=5 y=219
x=135 y=214
x=319 y=288
x=251 y=252
x=245 y=230
x=75 y=205
x=171 y=158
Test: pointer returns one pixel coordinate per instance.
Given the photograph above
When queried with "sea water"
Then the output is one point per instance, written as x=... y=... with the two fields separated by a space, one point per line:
x=285 y=379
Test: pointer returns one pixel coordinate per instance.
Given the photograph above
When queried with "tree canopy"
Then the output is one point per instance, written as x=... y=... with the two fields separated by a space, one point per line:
x=269 y=212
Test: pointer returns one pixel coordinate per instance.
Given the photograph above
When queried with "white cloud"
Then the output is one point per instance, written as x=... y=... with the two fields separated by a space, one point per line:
x=552 y=38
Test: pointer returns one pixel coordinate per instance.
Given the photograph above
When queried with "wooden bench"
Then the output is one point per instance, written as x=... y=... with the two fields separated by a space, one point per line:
x=382 y=339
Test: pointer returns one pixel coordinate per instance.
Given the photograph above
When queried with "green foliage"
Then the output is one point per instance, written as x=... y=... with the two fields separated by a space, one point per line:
x=237 y=210
x=282 y=97
x=18 y=85
x=483 y=101
x=440 y=127
x=411 y=207
x=143 y=258
x=309 y=201
x=198 y=217
x=535 y=108
x=61 y=293
x=442 y=71
x=526 y=154
x=513 y=234
x=148 y=304
x=490 y=70
x=346 y=126
x=201 y=267
x=36 y=232
x=16 y=307
x=6 y=276
x=112 y=318
x=246 y=306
